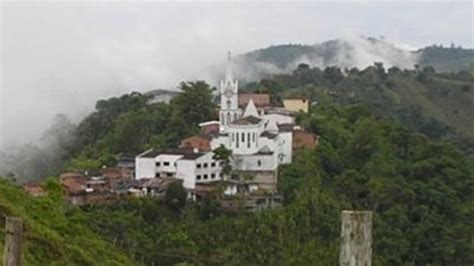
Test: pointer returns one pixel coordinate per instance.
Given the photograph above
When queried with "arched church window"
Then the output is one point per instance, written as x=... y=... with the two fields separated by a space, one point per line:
x=228 y=104
x=235 y=116
x=228 y=118
x=223 y=118
x=248 y=140
x=259 y=163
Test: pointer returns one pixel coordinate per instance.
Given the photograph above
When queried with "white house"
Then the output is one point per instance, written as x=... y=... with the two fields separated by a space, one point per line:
x=189 y=165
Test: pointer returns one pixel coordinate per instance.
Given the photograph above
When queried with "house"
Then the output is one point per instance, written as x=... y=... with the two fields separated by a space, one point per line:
x=190 y=165
x=210 y=127
x=73 y=183
x=34 y=189
x=296 y=105
x=125 y=160
x=304 y=140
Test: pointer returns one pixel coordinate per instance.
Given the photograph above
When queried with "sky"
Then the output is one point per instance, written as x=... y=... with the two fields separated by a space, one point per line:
x=61 y=57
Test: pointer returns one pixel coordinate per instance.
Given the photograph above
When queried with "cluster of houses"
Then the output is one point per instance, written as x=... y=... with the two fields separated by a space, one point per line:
x=259 y=137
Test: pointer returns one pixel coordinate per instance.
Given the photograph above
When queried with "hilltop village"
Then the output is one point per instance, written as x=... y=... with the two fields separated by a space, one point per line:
x=238 y=155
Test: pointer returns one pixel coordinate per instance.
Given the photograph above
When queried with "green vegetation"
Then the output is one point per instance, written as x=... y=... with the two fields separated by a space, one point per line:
x=438 y=105
x=52 y=235
x=376 y=152
x=130 y=124
x=420 y=191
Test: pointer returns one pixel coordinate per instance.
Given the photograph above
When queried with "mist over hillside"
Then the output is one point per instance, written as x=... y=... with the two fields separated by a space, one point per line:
x=351 y=53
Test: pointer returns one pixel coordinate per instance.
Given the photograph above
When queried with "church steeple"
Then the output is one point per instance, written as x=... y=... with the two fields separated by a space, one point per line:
x=229 y=90
x=228 y=75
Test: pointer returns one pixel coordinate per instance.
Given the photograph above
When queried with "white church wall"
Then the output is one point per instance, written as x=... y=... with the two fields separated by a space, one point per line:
x=285 y=147
x=255 y=162
x=248 y=144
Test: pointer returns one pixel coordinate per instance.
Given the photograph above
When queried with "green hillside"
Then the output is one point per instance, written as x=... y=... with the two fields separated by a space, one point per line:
x=445 y=59
x=439 y=105
x=52 y=236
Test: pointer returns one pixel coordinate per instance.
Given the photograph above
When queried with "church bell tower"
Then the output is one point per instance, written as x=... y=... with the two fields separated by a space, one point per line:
x=229 y=98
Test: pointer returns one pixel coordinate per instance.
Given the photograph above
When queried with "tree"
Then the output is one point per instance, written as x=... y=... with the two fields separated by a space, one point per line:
x=223 y=154
x=194 y=103
x=175 y=195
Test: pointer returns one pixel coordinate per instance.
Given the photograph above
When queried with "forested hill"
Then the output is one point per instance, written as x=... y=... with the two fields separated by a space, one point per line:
x=360 y=53
x=373 y=154
x=439 y=105
x=420 y=191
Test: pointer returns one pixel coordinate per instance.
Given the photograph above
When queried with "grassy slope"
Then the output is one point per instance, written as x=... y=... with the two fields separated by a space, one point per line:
x=51 y=238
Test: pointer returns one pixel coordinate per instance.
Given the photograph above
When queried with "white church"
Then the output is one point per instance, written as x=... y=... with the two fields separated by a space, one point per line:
x=260 y=141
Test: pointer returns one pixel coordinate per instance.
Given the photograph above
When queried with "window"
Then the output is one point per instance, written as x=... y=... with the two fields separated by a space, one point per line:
x=221 y=163
x=237 y=140
x=222 y=118
x=253 y=137
x=243 y=136
x=228 y=104
x=169 y=174
x=213 y=164
x=205 y=165
x=228 y=118
x=166 y=163
x=175 y=164
x=233 y=137
x=198 y=177
x=205 y=177
x=213 y=176
x=259 y=163
x=158 y=164
x=157 y=175
x=235 y=116
x=221 y=175
x=248 y=140
x=198 y=165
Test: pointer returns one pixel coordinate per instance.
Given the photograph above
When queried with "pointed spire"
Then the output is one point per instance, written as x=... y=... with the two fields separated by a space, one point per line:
x=272 y=126
x=228 y=75
x=250 y=109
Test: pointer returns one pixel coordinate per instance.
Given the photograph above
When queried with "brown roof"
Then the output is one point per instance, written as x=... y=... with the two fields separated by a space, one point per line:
x=248 y=120
x=259 y=99
x=34 y=189
x=116 y=172
x=303 y=139
x=73 y=183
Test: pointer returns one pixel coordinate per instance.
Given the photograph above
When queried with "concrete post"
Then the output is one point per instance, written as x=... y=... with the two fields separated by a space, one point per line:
x=356 y=238
x=13 y=236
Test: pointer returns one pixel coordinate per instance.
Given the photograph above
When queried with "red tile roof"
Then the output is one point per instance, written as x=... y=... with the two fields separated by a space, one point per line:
x=259 y=99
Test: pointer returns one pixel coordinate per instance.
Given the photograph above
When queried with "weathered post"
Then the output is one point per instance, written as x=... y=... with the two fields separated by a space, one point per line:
x=13 y=236
x=356 y=238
